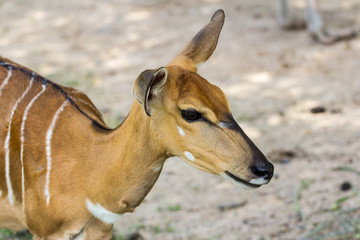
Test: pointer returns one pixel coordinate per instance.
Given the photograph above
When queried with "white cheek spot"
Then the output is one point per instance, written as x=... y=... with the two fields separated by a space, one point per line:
x=181 y=131
x=101 y=213
x=189 y=156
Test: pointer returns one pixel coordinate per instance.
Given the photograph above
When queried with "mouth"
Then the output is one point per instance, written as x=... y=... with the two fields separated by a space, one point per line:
x=239 y=180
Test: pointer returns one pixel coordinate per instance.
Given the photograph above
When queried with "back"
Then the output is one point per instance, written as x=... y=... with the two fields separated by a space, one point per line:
x=29 y=108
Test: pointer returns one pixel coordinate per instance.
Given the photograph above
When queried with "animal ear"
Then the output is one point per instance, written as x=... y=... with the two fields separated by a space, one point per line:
x=201 y=47
x=148 y=86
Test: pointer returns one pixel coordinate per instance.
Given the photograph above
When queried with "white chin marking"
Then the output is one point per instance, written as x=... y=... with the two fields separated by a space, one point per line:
x=235 y=182
x=101 y=213
x=189 y=156
x=181 y=131
x=258 y=181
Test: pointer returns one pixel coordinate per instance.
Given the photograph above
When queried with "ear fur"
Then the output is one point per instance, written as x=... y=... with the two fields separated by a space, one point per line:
x=201 y=47
x=148 y=86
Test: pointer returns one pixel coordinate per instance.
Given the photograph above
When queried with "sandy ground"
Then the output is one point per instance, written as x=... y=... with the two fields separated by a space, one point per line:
x=271 y=77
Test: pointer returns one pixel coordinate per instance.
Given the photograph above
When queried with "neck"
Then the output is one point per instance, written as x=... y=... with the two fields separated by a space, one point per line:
x=130 y=160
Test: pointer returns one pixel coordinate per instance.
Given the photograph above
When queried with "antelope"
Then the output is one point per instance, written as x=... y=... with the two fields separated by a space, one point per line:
x=65 y=175
x=313 y=21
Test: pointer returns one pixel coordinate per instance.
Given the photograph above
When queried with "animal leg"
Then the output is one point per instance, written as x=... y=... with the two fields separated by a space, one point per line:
x=289 y=18
x=317 y=28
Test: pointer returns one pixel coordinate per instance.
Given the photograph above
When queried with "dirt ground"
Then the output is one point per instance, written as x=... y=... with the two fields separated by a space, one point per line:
x=272 y=77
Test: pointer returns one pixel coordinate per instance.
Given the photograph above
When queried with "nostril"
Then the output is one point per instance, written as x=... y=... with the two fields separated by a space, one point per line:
x=259 y=172
x=265 y=171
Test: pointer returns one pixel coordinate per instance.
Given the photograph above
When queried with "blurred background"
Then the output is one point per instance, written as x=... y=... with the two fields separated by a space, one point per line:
x=298 y=100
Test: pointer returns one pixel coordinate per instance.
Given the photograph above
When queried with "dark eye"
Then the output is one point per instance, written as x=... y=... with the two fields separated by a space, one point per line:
x=191 y=115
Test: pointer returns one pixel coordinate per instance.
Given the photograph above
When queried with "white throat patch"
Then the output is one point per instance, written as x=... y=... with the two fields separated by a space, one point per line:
x=101 y=213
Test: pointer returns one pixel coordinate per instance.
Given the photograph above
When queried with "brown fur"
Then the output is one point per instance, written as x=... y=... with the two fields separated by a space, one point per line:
x=115 y=168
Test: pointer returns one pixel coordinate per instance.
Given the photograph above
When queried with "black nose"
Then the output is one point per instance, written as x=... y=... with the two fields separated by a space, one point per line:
x=264 y=170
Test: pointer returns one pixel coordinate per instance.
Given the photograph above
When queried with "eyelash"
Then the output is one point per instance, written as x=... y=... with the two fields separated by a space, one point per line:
x=191 y=115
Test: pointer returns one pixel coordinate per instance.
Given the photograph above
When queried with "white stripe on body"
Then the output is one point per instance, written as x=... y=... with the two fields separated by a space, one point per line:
x=101 y=213
x=7 y=146
x=6 y=79
x=22 y=139
x=49 y=134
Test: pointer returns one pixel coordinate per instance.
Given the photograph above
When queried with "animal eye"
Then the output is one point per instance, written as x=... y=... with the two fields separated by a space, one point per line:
x=191 y=115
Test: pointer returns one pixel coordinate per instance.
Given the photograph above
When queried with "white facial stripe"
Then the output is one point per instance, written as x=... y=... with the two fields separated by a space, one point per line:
x=101 y=213
x=48 y=149
x=7 y=146
x=22 y=139
x=6 y=80
x=189 y=156
x=223 y=124
x=181 y=131
x=259 y=181
x=235 y=182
